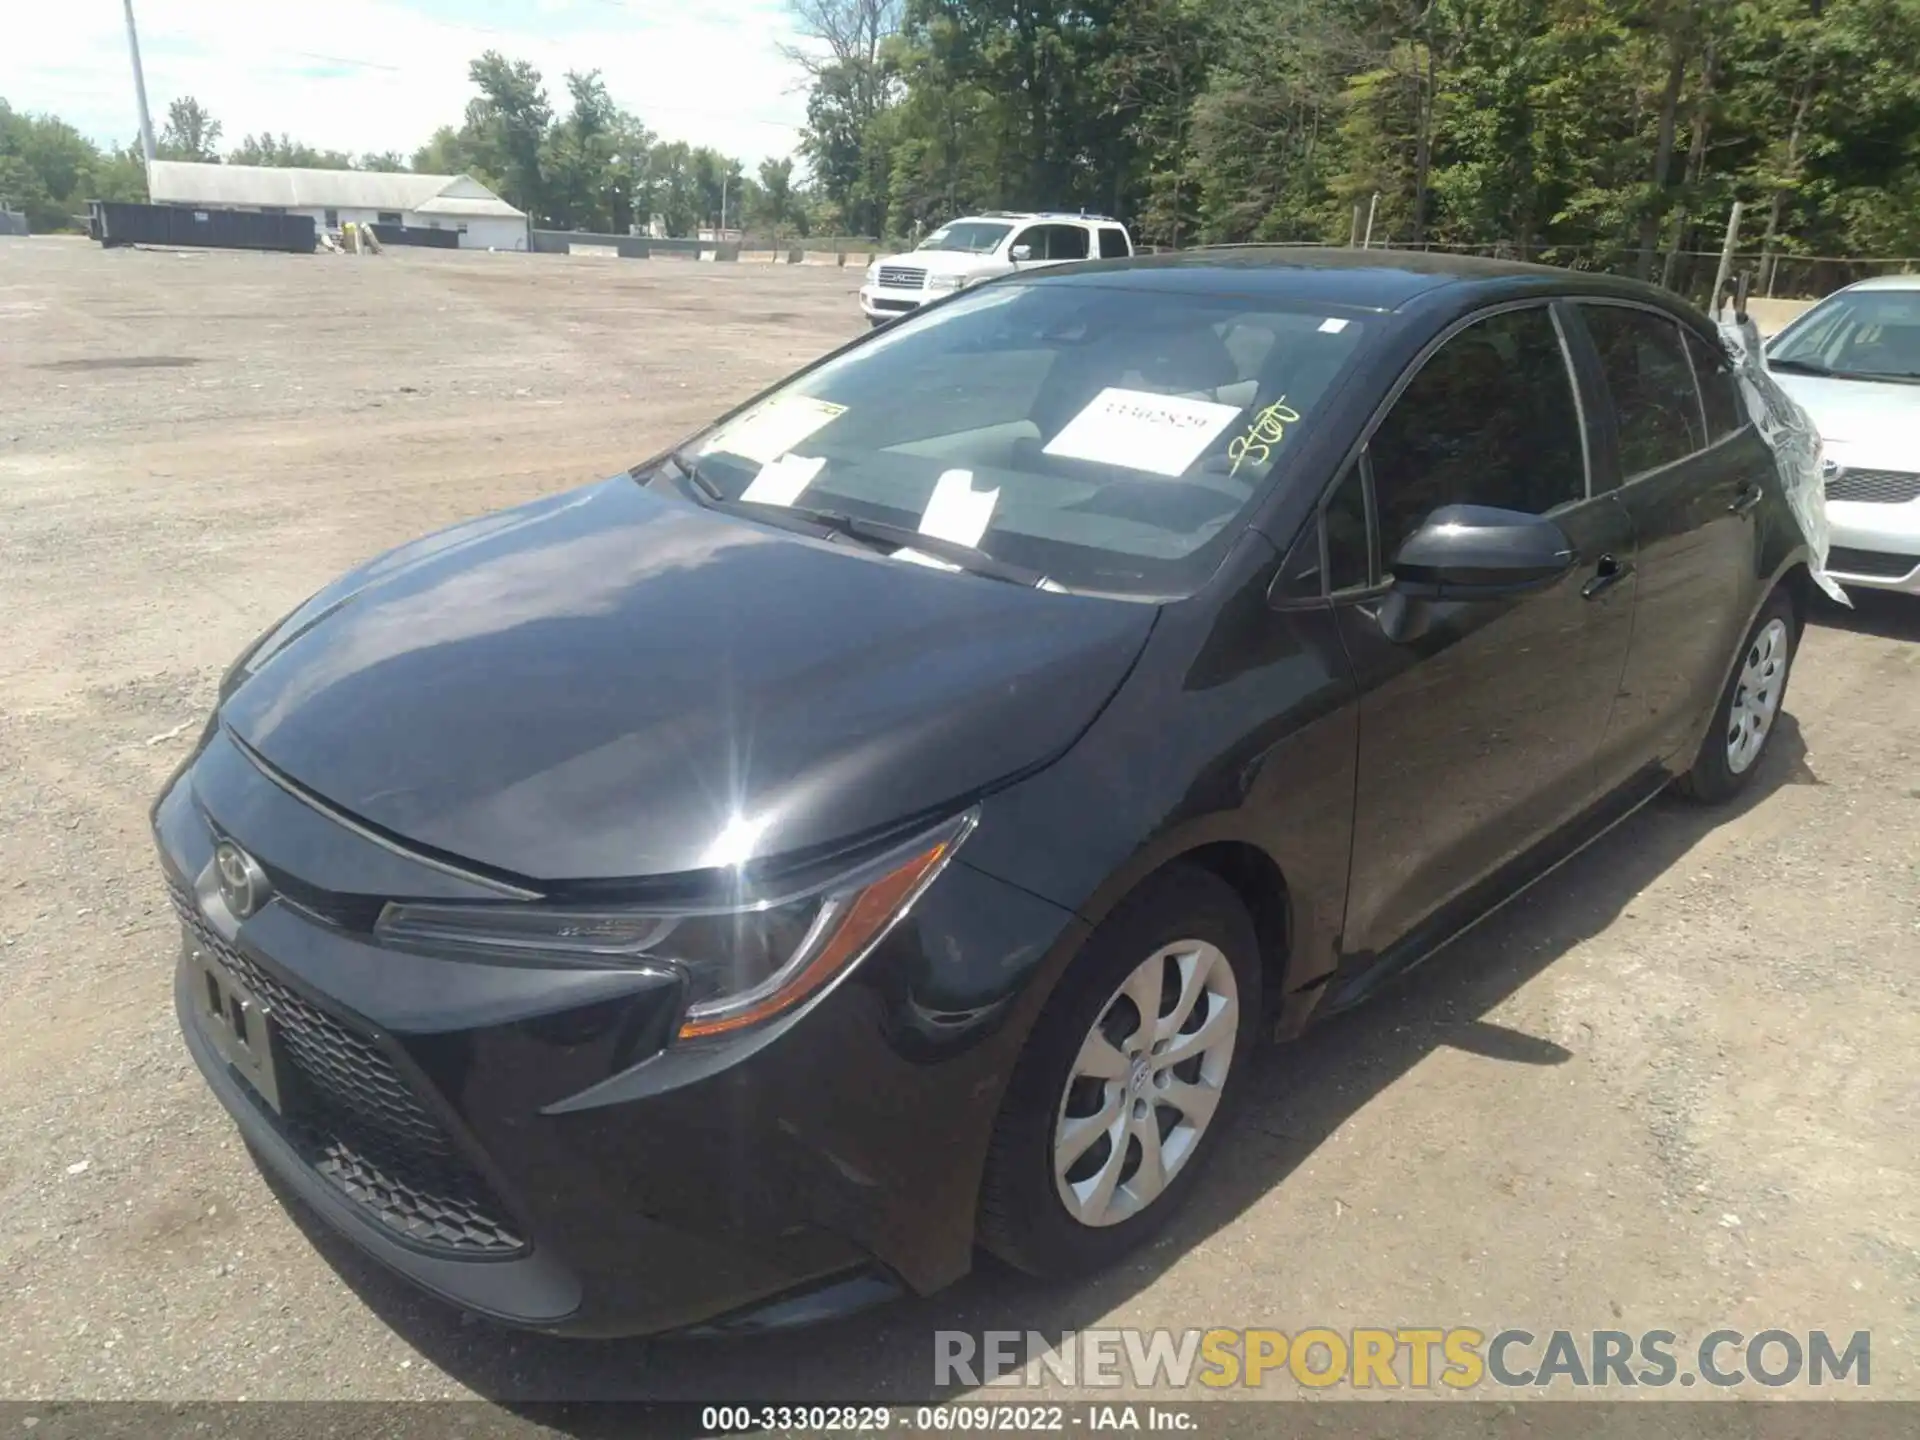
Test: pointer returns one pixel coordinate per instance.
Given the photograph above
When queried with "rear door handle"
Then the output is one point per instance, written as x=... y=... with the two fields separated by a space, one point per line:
x=1607 y=573
x=1749 y=496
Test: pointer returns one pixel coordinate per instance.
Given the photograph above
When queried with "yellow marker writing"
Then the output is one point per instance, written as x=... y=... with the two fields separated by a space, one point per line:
x=1268 y=429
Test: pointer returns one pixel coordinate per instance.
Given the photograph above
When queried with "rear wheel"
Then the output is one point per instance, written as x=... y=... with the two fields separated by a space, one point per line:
x=1743 y=722
x=1121 y=1093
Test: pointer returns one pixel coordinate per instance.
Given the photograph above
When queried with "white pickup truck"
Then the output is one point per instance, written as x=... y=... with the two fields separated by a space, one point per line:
x=979 y=247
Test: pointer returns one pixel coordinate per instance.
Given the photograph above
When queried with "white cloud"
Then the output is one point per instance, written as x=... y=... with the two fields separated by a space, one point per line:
x=383 y=74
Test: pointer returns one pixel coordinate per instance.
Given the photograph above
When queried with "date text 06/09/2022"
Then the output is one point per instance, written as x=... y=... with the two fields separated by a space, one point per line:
x=961 y=1418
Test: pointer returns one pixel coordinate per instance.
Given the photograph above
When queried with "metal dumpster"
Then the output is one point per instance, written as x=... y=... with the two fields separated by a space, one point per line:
x=114 y=222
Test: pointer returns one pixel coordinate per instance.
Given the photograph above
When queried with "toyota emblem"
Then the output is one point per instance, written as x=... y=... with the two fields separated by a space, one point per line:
x=243 y=884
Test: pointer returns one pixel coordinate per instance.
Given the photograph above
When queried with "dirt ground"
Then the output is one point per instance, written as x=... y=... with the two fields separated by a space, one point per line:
x=1674 y=1087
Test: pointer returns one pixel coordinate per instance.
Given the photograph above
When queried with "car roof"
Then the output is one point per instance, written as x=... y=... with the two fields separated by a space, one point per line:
x=1077 y=215
x=1375 y=279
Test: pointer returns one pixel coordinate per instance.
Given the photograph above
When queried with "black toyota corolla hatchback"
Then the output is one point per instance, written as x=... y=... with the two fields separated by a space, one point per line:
x=882 y=826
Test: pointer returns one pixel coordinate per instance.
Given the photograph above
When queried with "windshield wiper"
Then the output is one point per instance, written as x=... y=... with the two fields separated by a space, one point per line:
x=1802 y=367
x=970 y=558
x=1828 y=372
x=689 y=465
x=878 y=534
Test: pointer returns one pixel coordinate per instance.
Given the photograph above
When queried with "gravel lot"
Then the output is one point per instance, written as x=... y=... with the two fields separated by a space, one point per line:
x=1674 y=1087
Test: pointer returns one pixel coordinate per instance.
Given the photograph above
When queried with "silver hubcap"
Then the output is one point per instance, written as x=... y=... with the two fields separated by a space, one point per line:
x=1756 y=698
x=1146 y=1083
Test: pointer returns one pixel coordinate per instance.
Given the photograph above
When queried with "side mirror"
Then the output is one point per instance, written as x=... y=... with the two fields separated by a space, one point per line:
x=1475 y=552
x=1022 y=252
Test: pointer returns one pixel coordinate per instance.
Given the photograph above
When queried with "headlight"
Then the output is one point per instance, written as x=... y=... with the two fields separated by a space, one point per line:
x=943 y=284
x=744 y=963
x=873 y=273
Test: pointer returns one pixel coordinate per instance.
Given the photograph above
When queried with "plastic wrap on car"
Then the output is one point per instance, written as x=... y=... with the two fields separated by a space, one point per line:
x=1794 y=439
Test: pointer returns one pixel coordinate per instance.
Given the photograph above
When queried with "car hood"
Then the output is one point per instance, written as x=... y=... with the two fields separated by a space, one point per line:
x=617 y=683
x=1865 y=423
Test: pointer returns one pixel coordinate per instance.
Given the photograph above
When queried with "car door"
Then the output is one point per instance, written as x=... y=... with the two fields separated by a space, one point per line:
x=1478 y=733
x=1690 y=470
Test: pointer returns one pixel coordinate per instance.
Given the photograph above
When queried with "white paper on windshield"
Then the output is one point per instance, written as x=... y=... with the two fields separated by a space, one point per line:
x=956 y=511
x=775 y=428
x=1332 y=326
x=1139 y=430
x=781 y=481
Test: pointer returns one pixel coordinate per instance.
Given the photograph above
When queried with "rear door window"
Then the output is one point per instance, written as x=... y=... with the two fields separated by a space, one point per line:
x=1656 y=401
x=1066 y=242
x=1491 y=419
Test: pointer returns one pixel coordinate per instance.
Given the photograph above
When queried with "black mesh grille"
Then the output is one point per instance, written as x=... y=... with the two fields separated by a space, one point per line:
x=1871 y=563
x=1876 y=487
x=354 y=1120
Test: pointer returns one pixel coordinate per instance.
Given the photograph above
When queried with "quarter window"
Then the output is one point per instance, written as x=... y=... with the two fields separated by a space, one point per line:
x=1349 y=555
x=1719 y=391
x=1651 y=380
x=1113 y=244
x=1490 y=419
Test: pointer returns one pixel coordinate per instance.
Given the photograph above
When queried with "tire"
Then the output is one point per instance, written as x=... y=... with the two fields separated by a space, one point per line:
x=1732 y=752
x=874 y=322
x=1196 y=925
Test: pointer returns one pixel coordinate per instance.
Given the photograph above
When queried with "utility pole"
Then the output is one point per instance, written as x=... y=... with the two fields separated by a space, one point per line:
x=1726 y=260
x=724 y=178
x=139 y=86
x=1372 y=205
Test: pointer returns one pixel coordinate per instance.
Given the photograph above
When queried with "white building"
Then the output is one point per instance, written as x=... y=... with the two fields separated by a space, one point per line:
x=336 y=197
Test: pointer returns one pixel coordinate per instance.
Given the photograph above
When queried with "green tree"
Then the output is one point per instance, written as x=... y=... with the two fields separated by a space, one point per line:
x=505 y=131
x=773 y=205
x=49 y=170
x=190 y=133
x=266 y=149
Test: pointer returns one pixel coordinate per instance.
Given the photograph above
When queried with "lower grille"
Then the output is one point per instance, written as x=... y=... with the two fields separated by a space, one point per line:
x=902 y=277
x=1869 y=563
x=902 y=306
x=1875 y=487
x=353 y=1118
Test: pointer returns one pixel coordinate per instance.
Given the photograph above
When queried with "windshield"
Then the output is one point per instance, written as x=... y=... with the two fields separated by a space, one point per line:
x=970 y=236
x=1108 y=439
x=1857 y=334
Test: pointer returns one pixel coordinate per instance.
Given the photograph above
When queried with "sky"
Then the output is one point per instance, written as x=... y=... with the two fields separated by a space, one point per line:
x=369 y=75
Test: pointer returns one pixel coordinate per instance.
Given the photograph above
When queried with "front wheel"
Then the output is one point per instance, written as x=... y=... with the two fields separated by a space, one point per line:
x=1743 y=722
x=1121 y=1093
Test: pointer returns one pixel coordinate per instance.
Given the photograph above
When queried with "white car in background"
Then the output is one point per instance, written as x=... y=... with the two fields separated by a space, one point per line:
x=1853 y=363
x=979 y=247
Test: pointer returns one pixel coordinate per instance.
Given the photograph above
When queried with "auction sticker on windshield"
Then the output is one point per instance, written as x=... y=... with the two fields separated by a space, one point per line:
x=1139 y=430
x=775 y=428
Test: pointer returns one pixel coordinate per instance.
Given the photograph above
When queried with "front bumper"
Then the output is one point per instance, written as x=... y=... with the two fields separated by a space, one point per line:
x=878 y=302
x=1875 y=546
x=529 y=1145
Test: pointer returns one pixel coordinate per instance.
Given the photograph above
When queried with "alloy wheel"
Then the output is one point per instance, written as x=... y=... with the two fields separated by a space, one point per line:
x=1146 y=1083
x=1756 y=696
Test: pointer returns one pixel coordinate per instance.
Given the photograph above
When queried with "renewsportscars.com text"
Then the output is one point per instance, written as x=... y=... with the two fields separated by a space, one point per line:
x=1401 y=1357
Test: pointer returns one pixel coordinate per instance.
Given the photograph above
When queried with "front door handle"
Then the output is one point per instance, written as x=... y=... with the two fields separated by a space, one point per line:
x=1750 y=495
x=1608 y=573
